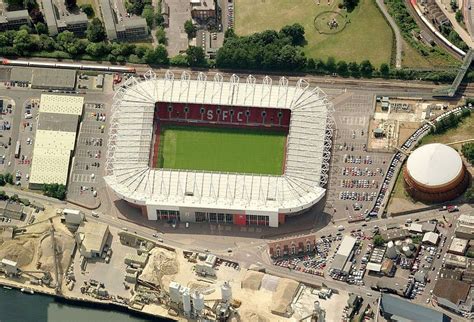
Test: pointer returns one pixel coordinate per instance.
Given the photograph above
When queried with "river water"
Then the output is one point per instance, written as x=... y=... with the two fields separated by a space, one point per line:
x=18 y=307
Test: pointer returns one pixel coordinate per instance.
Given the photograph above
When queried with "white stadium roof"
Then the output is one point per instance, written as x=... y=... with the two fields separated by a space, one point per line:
x=307 y=155
x=434 y=164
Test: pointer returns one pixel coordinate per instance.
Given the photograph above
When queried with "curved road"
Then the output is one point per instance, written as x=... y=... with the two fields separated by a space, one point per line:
x=396 y=31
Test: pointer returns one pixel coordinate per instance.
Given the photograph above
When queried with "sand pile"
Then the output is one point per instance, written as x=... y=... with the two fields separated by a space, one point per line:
x=161 y=262
x=252 y=316
x=252 y=280
x=20 y=251
x=64 y=248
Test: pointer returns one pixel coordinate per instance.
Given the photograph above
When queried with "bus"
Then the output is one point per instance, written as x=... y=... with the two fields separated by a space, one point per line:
x=17 y=149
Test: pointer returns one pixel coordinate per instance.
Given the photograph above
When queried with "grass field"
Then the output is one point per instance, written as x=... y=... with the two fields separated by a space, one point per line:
x=222 y=149
x=366 y=36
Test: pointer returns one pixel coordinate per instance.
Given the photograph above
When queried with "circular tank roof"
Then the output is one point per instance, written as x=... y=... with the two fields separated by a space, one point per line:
x=434 y=164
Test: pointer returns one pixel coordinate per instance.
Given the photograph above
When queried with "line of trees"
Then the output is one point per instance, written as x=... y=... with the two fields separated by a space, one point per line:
x=452 y=121
x=267 y=50
x=55 y=190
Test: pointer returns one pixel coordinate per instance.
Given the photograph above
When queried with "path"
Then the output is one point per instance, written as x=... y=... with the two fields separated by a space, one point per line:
x=396 y=31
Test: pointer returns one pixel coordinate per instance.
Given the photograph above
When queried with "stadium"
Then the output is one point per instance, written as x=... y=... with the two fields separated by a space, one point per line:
x=199 y=150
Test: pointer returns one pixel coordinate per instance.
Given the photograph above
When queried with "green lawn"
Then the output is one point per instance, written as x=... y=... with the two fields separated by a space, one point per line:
x=222 y=149
x=366 y=36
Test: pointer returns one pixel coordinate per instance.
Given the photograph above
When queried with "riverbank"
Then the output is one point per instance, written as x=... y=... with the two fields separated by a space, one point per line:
x=82 y=303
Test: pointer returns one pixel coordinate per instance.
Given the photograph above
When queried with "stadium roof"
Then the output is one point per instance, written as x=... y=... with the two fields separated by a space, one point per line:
x=55 y=138
x=434 y=164
x=307 y=155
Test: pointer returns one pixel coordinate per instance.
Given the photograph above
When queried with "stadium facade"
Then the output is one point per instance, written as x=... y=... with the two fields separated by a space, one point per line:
x=142 y=104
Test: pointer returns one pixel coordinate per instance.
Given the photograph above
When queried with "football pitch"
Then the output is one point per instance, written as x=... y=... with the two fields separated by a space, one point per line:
x=221 y=149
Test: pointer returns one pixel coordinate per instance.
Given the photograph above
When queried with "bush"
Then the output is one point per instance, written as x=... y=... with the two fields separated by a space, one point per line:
x=55 y=190
x=161 y=36
x=467 y=150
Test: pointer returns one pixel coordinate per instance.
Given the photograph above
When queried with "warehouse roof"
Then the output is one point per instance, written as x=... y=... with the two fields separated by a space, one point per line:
x=452 y=290
x=402 y=310
x=53 y=78
x=21 y=74
x=61 y=104
x=57 y=122
x=55 y=138
x=434 y=164
x=93 y=235
x=458 y=246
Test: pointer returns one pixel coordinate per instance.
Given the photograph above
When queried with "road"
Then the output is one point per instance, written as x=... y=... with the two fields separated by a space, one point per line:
x=396 y=32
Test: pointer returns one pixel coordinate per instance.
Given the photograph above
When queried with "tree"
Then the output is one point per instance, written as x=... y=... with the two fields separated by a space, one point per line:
x=385 y=70
x=65 y=39
x=36 y=15
x=195 y=56
x=55 y=190
x=161 y=36
x=378 y=240
x=179 y=60
x=469 y=195
x=366 y=69
x=41 y=28
x=342 y=68
x=99 y=49
x=467 y=150
x=70 y=4
x=190 y=29
x=14 y=4
x=295 y=32
x=95 y=31
x=22 y=42
x=354 y=69
x=8 y=178
x=459 y=16
x=149 y=15
x=230 y=33
x=2 y=180
x=88 y=10
x=157 y=56
x=350 y=4
x=331 y=65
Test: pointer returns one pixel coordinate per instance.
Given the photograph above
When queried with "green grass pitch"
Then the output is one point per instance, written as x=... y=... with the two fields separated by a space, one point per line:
x=222 y=149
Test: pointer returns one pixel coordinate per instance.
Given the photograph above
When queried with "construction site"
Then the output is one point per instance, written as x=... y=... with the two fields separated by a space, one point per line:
x=63 y=254
x=396 y=119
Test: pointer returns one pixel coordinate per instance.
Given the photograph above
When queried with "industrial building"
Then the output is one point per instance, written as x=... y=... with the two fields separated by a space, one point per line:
x=342 y=261
x=55 y=141
x=9 y=267
x=73 y=216
x=430 y=238
x=453 y=295
x=458 y=246
x=11 y=209
x=91 y=238
x=435 y=173
x=465 y=226
x=122 y=28
x=57 y=23
x=202 y=10
x=291 y=246
x=53 y=78
x=394 y=308
x=14 y=19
